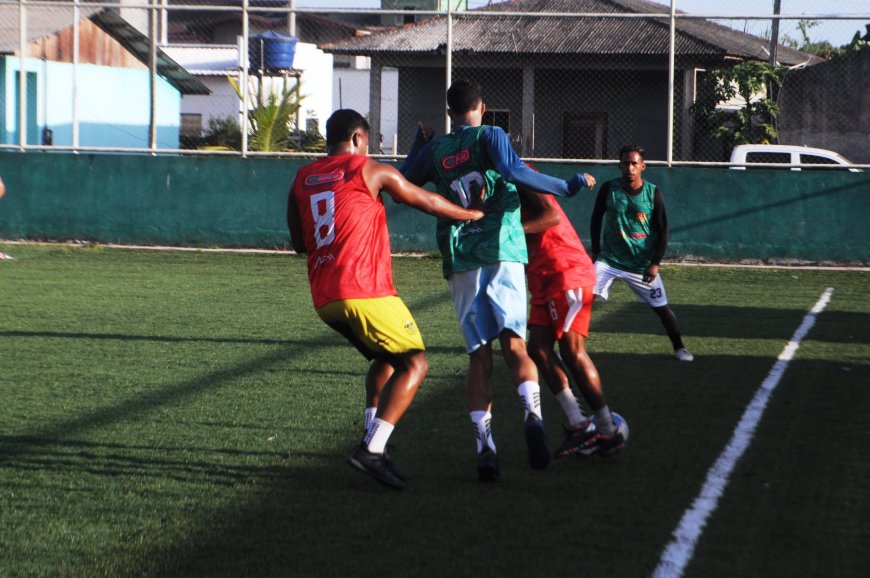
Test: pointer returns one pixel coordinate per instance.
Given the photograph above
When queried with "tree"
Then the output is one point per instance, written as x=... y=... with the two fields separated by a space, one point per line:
x=270 y=117
x=821 y=49
x=751 y=85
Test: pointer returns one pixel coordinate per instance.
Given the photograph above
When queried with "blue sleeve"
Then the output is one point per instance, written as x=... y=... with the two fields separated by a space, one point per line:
x=418 y=167
x=514 y=170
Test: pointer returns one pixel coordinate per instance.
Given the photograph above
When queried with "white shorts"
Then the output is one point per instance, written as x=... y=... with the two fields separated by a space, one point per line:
x=489 y=300
x=652 y=293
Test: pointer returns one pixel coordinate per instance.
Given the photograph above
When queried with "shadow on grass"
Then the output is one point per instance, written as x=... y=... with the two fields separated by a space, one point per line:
x=613 y=514
x=729 y=322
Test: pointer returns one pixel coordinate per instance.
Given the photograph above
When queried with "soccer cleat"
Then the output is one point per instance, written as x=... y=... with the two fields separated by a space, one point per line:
x=487 y=466
x=600 y=444
x=375 y=465
x=391 y=465
x=683 y=354
x=536 y=442
x=575 y=437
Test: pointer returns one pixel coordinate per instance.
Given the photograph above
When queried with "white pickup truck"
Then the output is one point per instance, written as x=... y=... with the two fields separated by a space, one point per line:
x=782 y=155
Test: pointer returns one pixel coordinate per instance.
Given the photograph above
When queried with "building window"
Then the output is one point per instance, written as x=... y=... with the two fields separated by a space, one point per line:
x=584 y=135
x=191 y=125
x=406 y=18
x=499 y=118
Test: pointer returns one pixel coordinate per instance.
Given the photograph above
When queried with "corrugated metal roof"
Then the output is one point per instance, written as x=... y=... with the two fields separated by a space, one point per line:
x=587 y=36
x=45 y=21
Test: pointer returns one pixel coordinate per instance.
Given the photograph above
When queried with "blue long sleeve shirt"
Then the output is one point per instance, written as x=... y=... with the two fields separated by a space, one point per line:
x=418 y=167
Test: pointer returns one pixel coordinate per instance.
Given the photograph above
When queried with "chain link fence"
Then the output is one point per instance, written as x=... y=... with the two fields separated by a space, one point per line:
x=567 y=79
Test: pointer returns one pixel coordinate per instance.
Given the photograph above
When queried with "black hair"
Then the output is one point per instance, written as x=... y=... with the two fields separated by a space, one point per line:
x=632 y=148
x=342 y=124
x=463 y=95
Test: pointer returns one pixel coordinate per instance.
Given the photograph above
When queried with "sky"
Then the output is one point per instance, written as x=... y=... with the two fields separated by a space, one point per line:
x=837 y=32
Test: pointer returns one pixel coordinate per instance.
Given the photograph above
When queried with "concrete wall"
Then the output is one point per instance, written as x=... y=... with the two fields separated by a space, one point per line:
x=217 y=201
x=350 y=89
x=828 y=106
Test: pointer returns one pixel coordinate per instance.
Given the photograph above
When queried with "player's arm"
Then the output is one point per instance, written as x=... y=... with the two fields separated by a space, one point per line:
x=384 y=177
x=595 y=221
x=294 y=223
x=659 y=226
x=541 y=214
x=511 y=168
x=418 y=167
x=421 y=138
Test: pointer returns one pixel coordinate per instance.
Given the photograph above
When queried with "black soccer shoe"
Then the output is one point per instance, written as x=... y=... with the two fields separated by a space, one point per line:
x=536 y=442
x=391 y=465
x=375 y=465
x=487 y=466
x=575 y=439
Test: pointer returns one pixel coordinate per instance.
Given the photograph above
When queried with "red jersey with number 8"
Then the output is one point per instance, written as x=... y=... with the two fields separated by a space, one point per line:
x=345 y=231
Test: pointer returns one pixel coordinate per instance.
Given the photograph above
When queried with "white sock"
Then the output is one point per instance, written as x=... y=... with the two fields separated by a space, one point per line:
x=482 y=421
x=377 y=435
x=530 y=393
x=370 y=417
x=571 y=405
x=604 y=421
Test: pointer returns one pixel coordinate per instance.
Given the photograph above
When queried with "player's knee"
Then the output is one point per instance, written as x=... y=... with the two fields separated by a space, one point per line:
x=418 y=364
x=538 y=352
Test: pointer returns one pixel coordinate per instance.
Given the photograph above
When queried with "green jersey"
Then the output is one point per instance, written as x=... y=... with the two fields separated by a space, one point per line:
x=462 y=168
x=629 y=241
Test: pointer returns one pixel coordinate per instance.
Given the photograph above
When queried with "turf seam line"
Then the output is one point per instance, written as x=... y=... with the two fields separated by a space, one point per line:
x=679 y=552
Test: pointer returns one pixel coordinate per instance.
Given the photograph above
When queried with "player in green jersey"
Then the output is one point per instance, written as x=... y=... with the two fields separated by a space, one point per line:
x=484 y=261
x=635 y=229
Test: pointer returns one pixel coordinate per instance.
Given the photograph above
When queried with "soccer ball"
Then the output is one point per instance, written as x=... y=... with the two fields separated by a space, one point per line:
x=621 y=427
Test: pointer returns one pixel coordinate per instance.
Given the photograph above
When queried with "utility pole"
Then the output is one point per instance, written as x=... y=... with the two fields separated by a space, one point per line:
x=774 y=32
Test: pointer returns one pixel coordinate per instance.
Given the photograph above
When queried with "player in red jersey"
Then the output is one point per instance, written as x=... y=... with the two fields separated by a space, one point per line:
x=336 y=215
x=561 y=278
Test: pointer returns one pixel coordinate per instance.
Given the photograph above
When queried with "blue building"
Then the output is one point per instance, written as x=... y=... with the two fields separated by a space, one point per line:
x=98 y=95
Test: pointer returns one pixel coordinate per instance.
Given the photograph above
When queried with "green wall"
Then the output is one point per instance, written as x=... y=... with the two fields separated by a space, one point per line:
x=714 y=213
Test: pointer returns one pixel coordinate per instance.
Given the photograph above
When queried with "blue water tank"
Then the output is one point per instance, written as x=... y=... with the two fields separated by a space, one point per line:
x=271 y=50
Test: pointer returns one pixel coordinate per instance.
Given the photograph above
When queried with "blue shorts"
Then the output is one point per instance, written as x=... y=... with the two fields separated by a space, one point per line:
x=489 y=300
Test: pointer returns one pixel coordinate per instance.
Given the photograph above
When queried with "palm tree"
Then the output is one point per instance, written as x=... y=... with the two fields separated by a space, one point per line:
x=271 y=119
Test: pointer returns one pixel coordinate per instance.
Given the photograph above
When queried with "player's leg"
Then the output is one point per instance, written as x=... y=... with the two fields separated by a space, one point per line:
x=385 y=332
x=654 y=294
x=376 y=378
x=478 y=390
x=468 y=289
x=506 y=294
x=669 y=322
x=605 y=275
x=550 y=366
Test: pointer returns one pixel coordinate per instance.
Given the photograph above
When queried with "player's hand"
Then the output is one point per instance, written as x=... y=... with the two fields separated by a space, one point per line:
x=479 y=202
x=424 y=133
x=651 y=273
x=579 y=181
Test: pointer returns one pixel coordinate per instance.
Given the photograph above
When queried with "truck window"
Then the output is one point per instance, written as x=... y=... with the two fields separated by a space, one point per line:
x=768 y=157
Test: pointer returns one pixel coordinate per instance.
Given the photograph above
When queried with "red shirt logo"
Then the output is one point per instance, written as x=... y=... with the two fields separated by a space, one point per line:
x=315 y=181
x=451 y=162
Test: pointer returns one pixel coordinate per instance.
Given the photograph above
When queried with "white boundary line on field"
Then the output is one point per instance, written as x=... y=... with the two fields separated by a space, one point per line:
x=795 y=267
x=679 y=552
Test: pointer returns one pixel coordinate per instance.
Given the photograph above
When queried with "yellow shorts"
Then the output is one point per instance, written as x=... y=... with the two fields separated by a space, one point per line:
x=374 y=326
